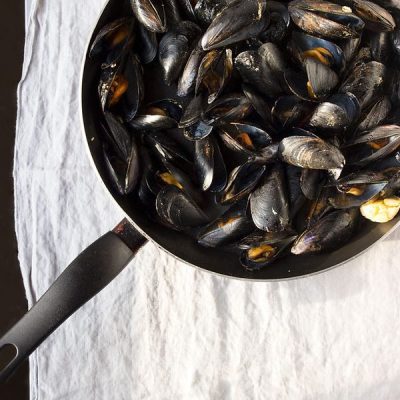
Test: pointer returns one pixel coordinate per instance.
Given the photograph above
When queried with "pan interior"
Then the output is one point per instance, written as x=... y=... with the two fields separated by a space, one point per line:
x=180 y=245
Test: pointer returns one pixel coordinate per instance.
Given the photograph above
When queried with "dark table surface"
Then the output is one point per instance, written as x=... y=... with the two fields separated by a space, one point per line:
x=12 y=295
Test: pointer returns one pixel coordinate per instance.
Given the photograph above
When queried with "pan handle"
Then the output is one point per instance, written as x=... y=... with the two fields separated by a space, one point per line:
x=87 y=275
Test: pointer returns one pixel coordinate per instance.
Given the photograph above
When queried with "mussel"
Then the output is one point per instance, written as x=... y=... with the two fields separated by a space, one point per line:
x=329 y=233
x=150 y=13
x=376 y=18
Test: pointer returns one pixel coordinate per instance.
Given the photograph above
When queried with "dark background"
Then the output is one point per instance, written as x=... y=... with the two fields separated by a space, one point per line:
x=12 y=295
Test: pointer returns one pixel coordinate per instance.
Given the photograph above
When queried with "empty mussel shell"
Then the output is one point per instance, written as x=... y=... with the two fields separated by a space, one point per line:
x=262 y=248
x=242 y=181
x=177 y=210
x=330 y=232
x=162 y=114
x=238 y=21
x=233 y=225
x=325 y=19
x=269 y=204
x=151 y=13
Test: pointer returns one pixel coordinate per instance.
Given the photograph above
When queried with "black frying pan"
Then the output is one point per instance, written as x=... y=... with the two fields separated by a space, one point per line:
x=101 y=262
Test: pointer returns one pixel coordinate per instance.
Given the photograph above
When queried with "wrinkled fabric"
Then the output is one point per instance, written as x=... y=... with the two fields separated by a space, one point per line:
x=163 y=330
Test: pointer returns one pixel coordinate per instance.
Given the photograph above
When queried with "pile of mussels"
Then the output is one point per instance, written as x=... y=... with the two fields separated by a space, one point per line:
x=282 y=127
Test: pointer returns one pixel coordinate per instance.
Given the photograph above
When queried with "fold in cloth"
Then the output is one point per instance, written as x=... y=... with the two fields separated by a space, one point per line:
x=163 y=330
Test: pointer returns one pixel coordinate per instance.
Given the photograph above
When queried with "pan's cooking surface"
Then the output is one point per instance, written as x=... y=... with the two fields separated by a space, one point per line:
x=180 y=245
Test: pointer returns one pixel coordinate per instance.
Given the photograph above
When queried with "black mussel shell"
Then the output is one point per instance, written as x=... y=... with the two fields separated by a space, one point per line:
x=193 y=112
x=366 y=82
x=311 y=152
x=319 y=207
x=174 y=49
x=150 y=13
x=295 y=194
x=206 y=10
x=209 y=165
x=244 y=138
x=325 y=19
x=305 y=46
x=233 y=225
x=330 y=232
x=242 y=181
x=310 y=182
x=279 y=23
x=198 y=131
x=375 y=115
x=269 y=204
x=162 y=114
x=118 y=136
x=147 y=45
x=381 y=46
x=289 y=111
x=376 y=18
x=177 y=210
x=228 y=108
x=114 y=37
x=173 y=14
x=350 y=48
x=238 y=21
x=262 y=248
x=339 y=112
x=187 y=81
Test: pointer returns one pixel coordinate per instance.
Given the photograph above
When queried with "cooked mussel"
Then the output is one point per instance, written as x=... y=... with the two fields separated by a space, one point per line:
x=330 y=232
x=337 y=113
x=209 y=165
x=262 y=248
x=373 y=145
x=325 y=19
x=214 y=72
x=151 y=13
x=242 y=181
x=269 y=204
x=175 y=48
x=311 y=152
x=162 y=114
x=228 y=108
x=238 y=21
x=233 y=225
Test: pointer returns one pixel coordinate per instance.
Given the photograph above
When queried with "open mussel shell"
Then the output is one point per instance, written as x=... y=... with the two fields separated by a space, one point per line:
x=289 y=111
x=330 y=232
x=325 y=19
x=228 y=108
x=117 y=135
x=209 y=165
x=124 y=175
x=151 y=13
x=244 y=138
x=375 y=115
x=376 y=18
x=214 y=72
x=255 y=70
x=337 y=113
x=317 y=83
x=242 y=181
x=311 y=152
x=147 y=45
x=269 y=204
x=162 y=114
x=174 y=49
x=305 y=46
x=187 y=80
x=113 y=38
x=177 y=210
x=373 y=145
x=260 y=249
x=279 y=23
x=238 y=21
x=233 y=225
x=366 y=82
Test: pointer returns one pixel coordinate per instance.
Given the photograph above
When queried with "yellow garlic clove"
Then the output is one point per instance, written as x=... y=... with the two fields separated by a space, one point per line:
x=381 y=210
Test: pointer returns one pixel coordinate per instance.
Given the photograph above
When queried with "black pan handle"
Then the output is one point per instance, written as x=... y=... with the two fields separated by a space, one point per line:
x=87 y=275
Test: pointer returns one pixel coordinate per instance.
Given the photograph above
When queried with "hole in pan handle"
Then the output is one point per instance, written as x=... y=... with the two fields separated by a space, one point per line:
x=87 y=275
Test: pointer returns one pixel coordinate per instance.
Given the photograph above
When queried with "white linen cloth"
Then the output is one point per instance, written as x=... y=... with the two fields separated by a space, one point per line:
x=163 y=330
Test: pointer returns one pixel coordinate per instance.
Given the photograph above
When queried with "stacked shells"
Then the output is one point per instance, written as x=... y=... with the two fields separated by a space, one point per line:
x=282 y=126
